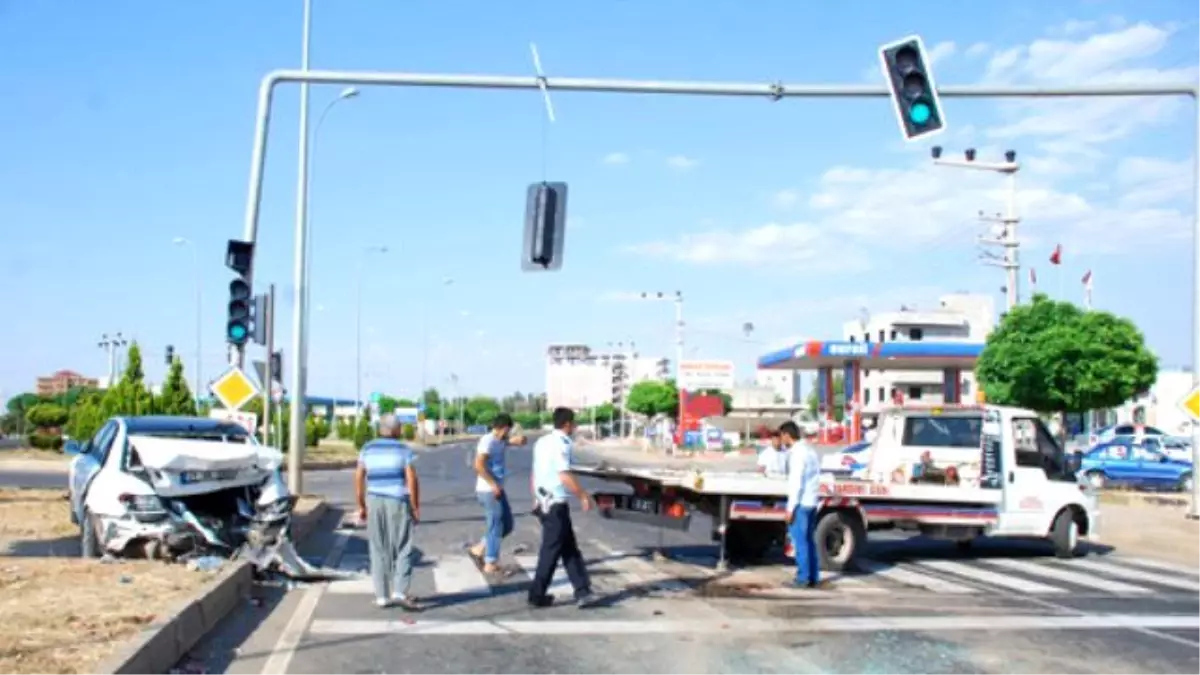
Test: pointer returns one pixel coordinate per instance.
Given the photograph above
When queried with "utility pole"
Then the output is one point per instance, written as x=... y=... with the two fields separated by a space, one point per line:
x=269 y=385
x=678 y=300
x=1011 y=261
x=111 y=344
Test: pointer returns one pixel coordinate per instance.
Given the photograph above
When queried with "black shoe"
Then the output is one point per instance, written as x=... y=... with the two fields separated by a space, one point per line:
x=542 y=602
x=586 y=599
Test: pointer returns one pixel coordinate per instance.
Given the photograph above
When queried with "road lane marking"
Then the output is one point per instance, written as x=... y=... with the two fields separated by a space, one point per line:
x=1076 y=578
x=459 y=575
x=989 y=577
x=845 y=624
x=289 y=640
x=1159 y=565
x=1131 y=573
x=908 y=577
x=529 y=564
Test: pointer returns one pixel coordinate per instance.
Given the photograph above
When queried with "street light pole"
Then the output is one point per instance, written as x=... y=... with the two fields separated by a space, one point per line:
x=358 y=330
x=183 y=241
x=1012 y=260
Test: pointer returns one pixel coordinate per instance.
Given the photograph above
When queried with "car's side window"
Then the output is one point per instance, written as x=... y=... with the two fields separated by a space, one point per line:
x=1143 y=454
x=103 y=441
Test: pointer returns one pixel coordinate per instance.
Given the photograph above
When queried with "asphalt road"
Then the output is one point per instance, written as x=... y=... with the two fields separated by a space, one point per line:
x=924 y=607
x=34 y=479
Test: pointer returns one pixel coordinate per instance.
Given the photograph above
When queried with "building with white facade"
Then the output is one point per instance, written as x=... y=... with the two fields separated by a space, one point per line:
x=783 y=384
x=959 y=317
x=578 y=377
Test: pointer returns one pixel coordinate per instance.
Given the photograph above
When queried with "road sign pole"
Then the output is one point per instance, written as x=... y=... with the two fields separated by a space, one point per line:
x=269 y=383
x=773 y=91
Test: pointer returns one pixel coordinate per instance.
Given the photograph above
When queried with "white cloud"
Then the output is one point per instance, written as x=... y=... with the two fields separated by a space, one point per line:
x=978 y=49
x=942 y=51
x=770 y=244
x=682 y=162
x=619 y=296
x=615 y=158
x=786 y=199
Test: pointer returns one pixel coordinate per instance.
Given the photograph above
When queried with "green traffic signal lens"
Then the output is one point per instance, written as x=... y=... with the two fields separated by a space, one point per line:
x=237 y=332
x=920 y=112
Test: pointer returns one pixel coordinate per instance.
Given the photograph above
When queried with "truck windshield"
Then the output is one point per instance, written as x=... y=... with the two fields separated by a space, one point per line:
x=939 y=431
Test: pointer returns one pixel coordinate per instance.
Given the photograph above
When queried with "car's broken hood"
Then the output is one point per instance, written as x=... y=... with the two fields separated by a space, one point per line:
x=186 y=454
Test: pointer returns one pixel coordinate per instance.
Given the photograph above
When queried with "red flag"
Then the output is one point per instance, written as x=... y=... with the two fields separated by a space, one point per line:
x=1056 y=257
x=1087 y=280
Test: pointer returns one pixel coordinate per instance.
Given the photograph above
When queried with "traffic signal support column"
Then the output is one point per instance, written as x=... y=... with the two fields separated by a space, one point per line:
x=852 y=397
x=952 y=385
x=824 y=401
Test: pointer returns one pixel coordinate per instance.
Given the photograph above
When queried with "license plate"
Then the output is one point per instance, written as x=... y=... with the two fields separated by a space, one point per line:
x=208 y=476
x=642 y=505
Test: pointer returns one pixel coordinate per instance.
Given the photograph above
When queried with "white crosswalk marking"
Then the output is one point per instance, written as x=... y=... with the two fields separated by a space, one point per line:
x=642 y=573
x=459 y=575
x=529 y=564
x=990 y=577
x=1159 y=565
x=909 y=577
x=1114 y=570
x=851 y=584
x=1076 y=578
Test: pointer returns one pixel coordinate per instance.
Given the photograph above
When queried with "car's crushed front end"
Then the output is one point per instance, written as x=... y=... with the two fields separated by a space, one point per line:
x=177 y=498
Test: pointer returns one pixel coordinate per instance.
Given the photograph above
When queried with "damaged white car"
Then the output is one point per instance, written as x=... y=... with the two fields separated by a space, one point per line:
x=176 y=487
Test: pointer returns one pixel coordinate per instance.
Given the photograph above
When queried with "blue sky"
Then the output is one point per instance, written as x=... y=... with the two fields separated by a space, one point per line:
x=126 y=124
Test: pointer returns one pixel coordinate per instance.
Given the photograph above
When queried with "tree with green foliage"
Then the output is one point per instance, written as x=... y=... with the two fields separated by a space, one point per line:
x=835 y=406
x=129 y=396
x=363 y=432
x=481 y=410
x=1053 y=357
x=652 y=397
x=175 y=397
x=47 y=421
x=86 y=419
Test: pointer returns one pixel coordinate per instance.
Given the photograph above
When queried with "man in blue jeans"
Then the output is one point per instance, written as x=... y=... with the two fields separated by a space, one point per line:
x=803 y=483
x=489 y=488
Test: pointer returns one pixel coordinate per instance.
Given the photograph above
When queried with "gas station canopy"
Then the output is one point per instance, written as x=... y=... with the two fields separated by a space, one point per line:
x=872 y=355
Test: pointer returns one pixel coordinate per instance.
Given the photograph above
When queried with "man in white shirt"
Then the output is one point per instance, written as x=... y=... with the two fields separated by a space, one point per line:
x=491 y=468
x=803 y=484
x=552 y=481
x=773 y=460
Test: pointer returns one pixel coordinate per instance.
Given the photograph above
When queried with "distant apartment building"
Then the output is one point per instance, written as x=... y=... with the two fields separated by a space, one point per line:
x=578 y=377
x=959 y=317
x=63 y=381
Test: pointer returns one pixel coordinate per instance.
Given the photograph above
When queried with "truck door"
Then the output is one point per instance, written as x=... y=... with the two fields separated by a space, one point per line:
x=1023 y=506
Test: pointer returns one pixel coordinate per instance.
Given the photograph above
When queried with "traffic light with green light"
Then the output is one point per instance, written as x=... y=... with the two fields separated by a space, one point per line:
x=914 y=93
x=239 y=257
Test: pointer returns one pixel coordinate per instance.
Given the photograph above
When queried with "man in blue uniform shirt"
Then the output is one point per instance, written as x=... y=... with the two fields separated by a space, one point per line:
x=552 y=482
x=803 y=484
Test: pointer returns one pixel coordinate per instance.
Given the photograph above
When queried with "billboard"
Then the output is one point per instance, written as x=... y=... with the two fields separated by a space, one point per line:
x=698 y=375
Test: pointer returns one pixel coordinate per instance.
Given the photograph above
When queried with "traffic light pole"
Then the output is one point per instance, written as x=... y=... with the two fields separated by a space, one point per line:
x=269 y=385
x=773 y=91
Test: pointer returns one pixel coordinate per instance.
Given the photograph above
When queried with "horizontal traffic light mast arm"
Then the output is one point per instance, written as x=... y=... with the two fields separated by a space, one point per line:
x=774 y=91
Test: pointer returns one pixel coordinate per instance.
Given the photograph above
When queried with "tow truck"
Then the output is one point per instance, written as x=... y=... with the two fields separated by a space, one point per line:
x=1014 y=481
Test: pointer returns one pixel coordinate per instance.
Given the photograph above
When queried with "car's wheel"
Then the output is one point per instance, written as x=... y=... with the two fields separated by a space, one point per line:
x=1185 y=482
x=89 y=543
x=1096 y=479
x=1064 y=534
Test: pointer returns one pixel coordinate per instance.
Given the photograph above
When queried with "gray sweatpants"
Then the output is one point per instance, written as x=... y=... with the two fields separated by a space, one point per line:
x=390 y=537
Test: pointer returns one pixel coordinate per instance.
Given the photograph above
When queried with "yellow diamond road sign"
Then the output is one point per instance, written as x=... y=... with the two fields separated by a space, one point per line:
x=1191 y=404
x=234 y=389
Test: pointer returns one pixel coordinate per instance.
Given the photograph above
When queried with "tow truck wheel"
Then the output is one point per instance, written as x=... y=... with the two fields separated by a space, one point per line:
x=1064 y=534
x=89 y=545
x=839 y=536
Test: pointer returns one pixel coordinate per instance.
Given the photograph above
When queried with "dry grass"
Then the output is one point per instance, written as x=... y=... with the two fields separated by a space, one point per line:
x=65 y=614
x=34 y=453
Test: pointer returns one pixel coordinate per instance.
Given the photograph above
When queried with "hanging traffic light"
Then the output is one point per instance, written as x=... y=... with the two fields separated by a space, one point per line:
x=170 y=354
x=913 y=91
x=545 y=227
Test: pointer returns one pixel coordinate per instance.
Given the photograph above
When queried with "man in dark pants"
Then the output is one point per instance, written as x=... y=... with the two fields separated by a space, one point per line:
x=552 y=480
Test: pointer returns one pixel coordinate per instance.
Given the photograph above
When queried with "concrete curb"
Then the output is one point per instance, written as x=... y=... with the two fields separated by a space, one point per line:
x=1143 y=499
x=162 y=644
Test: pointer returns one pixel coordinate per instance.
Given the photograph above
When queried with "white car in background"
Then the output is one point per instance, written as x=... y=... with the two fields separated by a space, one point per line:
x=851 y=460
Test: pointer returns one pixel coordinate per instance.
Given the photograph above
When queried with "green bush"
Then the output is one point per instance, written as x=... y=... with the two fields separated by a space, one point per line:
x=363 y=432
x=345 y=429
x=46 y=441
x=409 y=431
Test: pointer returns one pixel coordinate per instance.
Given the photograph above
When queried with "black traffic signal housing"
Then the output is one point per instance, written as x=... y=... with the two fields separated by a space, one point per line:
x=913 y=90
x=170 y=354
x=239 y=257
x=545 y=227
x=277 y=366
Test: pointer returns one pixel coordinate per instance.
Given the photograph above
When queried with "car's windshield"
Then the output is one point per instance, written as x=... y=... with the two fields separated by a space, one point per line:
x=956 y=431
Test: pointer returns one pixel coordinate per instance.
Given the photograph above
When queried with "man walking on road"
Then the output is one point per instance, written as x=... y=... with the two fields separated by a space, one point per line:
x=489 y=489
x=803 y=483
x=389 y=501
x=552 y=479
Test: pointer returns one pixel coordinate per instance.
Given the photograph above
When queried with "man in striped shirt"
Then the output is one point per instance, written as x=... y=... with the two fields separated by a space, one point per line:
x=389 y=501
